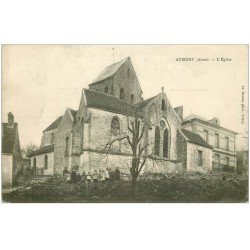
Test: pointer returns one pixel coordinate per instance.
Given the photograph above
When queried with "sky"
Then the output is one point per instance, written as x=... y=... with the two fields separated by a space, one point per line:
x=39 y=82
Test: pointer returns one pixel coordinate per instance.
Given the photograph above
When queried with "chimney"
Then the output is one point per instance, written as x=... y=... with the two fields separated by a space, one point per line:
x=179 y=111
x=10 y=120
x=215 y=121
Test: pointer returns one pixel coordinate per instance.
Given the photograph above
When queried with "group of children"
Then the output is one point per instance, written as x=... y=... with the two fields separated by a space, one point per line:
x=95 y=176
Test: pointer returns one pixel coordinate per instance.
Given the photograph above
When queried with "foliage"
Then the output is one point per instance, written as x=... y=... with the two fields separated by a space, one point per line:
x=174 y=187
x=30 y=148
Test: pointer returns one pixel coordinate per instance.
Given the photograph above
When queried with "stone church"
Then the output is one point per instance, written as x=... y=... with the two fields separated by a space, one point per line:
x=77 y=139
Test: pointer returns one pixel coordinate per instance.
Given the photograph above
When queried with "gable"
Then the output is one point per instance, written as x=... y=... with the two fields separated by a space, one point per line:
x=54 y=124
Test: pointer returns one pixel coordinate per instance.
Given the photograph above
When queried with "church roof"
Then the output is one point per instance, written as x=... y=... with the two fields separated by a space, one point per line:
x=195 y=138
x=109 y=71
x=108 y=103
x=54 y=124
x=8 y=138
x=145 y=102
x=42 y=150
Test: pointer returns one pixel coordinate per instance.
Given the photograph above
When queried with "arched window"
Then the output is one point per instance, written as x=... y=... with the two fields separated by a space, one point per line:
x=165 y=143
x=52 y=139
x=34 y=162
x=132 y=98
x=163 y=105
x=106 y=90
x=45 y=162
x=157 y=141
x=115 y=126
x=67 y=146
x=122 y=94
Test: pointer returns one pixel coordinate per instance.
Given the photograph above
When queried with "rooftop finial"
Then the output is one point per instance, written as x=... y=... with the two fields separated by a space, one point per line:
x=162 y=89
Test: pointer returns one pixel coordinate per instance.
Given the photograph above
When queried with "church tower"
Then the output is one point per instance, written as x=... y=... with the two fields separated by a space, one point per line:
x=119 y=80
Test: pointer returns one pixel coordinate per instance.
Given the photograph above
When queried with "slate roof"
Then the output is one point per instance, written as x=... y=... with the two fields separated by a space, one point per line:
x=54 y=124
x=42 y=150
x=109 y=103
x=109 y=71
x=195 y=138
x=8 y=138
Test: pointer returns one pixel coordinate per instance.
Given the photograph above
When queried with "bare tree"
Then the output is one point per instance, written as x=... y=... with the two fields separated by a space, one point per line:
x=28 y=150
x=136 y=132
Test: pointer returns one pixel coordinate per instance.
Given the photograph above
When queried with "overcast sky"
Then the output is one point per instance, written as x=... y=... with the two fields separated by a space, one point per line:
x=40 y=82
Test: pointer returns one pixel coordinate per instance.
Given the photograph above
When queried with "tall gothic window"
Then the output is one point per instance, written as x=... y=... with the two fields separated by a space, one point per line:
x=163 y=105
x=67 y=146
x=132 y=98
x=157 y=141
x=45 y=162
x=122 y=94
x=106 y=90
x=34 y=162
x=115 y=126
x=165 y=143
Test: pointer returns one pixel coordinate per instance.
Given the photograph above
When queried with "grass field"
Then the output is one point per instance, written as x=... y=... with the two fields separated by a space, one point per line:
x=180 y=187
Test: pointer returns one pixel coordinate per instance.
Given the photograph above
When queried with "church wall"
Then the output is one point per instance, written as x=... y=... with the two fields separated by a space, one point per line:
x=102 y=85
x=99 y=131
x=192 y=158
x=127 y=81
x=64 y=130
x=47 y=137
x=156 y=115
x=40 y=164
x=91 y=161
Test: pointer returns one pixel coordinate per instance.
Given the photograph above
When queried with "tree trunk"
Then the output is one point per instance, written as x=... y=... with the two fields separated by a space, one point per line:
x=133 y=184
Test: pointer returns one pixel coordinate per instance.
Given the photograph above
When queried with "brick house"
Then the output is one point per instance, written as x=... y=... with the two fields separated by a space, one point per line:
x=11 y=153
x=113 y=99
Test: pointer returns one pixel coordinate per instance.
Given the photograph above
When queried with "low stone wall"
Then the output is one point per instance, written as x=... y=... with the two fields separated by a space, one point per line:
x=89 y=161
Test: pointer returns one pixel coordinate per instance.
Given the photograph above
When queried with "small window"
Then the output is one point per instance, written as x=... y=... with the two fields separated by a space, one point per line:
x=227 y=143
x=52 y=139
x=132 y=98
x=67 y=146
x=122 y=94
x=46 y=162
x=106 y=90
x=163 y=105
x=217 y=140
x=206 y=135
x=200 y=158
x=227 y=161
x=115 y=126
x=128 y=72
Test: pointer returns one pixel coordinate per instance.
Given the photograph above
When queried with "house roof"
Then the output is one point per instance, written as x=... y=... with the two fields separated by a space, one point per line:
x=109 y=71
x=190 y=118
x=54 y=124
x=8 y=138
x=42 y=150
x=195 y=138
x=108 y=103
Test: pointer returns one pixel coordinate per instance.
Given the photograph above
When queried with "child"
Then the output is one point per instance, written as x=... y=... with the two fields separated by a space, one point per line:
x=88 y=177
x=95 y=176
x=99 y=177
x=106 y=174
